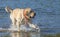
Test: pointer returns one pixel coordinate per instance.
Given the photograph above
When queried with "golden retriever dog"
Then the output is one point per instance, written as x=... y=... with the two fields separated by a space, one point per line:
x=18 y=15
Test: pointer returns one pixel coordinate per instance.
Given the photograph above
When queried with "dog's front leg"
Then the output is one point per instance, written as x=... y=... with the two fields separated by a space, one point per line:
x=18 y=25
x=13 y=23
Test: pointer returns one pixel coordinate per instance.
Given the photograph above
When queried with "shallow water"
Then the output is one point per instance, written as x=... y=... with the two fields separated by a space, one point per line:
x=44 y=29
x=20 y=34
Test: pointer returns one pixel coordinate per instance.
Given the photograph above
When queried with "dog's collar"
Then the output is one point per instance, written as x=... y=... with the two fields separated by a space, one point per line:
x=25 y=14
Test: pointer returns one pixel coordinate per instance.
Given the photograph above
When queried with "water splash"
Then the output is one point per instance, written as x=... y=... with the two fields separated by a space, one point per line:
x=31 y=27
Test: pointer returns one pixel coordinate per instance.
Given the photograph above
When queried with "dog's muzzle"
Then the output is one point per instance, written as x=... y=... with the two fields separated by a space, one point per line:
x=31 y=14
x=34 y=15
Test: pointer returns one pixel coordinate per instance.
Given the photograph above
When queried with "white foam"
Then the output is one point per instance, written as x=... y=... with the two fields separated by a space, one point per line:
x=31 y=27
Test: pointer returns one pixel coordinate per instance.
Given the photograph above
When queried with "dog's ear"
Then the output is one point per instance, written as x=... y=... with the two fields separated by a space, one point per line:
x=28 y=10
x=8 y=9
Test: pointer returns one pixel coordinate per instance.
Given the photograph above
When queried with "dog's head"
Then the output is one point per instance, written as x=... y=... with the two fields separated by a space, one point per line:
x=30 y=13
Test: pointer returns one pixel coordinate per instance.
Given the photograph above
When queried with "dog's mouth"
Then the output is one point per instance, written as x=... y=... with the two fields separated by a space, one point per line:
x=32 y=15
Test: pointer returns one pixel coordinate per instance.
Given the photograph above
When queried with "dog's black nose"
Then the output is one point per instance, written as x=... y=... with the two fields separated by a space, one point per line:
x=34 y=14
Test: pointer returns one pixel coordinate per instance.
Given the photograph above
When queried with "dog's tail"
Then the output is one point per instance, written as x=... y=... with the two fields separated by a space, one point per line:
x=8 y=9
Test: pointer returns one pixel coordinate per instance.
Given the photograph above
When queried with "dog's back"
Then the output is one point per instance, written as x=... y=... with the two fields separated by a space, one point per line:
x=18 y=13
x=15 y=13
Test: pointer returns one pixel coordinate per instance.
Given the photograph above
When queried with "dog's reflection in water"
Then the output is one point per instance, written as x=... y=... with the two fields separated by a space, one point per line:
x=25 y=34
x=20 y=34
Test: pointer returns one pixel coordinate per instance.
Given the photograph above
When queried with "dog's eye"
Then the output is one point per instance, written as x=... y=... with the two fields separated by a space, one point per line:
x=31 y=11
x=28 y=13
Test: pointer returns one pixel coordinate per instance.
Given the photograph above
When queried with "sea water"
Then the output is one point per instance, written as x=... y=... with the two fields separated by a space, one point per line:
x=47 y=14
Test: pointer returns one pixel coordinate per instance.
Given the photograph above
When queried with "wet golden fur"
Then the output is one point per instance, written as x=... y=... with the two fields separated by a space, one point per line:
x=17 y=15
